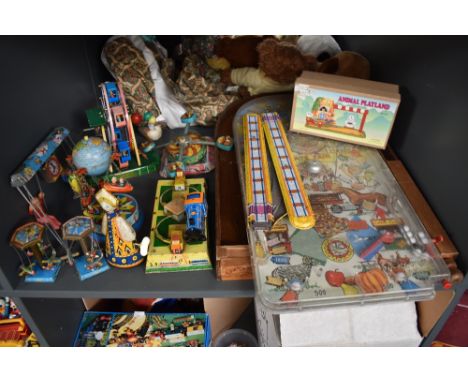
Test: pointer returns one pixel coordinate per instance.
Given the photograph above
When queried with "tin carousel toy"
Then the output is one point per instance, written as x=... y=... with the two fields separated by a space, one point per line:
x=190 y=151
x=121 y=249
x=80 y=229
x=39 y=262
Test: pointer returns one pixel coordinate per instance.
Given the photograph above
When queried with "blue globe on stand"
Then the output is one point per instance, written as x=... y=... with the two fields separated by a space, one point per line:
x=92 y=154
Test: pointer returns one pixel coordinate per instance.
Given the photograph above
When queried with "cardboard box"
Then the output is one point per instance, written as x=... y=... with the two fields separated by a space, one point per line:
x=345 y=109
x=140 y=329
x=223 y=312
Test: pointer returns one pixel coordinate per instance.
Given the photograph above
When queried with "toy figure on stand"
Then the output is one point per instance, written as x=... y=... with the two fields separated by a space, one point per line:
x=191 y=152
x=81 y=188
x=117 y=185
x=121 y=251
x=80 y=229
x=39 y=262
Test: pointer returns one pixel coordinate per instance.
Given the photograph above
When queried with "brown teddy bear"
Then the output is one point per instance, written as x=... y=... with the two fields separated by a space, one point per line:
x=239 y=51
x=348 y=64
x=279 y=64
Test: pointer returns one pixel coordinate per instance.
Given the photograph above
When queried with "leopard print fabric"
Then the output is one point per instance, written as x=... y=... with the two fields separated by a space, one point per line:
x=130 y=68
x=200 y=89
x=197 y=86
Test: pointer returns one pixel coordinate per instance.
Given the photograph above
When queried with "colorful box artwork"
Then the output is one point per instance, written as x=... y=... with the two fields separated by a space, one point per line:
x=345 y=109
x=140 y=329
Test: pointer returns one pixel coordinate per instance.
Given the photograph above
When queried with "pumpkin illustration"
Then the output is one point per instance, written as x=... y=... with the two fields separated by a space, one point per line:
x=371 y=281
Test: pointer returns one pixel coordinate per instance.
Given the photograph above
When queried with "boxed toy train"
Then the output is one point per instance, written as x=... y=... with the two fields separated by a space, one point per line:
x=345 y=109
x=140 y=329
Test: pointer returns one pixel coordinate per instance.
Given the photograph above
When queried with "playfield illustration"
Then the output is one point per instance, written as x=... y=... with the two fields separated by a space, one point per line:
x=351 y=119
x=99 y=329
x=367 y=243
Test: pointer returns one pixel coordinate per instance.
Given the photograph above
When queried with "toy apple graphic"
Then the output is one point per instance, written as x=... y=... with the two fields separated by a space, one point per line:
x=335 y=278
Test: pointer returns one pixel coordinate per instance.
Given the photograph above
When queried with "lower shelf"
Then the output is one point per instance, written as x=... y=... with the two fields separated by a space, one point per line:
x=134 y=283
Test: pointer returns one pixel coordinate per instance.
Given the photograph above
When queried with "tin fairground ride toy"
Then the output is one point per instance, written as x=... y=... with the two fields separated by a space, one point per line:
x=121 y=251
x=190 y=151
x=112 y=123
x=178 y=239
x=39 y=261
x=80 y=229
x=367 y=244
x=41 y=240
x=92 y=158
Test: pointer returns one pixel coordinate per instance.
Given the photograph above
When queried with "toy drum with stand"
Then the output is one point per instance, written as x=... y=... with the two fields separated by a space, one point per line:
x=79 y=229
x=39 y=262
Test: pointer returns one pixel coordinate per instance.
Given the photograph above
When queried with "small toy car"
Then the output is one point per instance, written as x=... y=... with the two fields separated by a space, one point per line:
x=177 y=243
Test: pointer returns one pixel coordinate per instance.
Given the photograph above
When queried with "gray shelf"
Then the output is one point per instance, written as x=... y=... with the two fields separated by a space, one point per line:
x=134 y=283
x=61 y=317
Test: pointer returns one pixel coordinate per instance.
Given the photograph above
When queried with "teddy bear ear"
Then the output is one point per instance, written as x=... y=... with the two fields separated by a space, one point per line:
x=267 y=46
x=310 y=62
x=329 y=66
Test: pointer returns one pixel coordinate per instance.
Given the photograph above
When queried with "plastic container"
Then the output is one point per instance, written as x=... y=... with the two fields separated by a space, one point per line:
x=235 y=338
x=368 y=244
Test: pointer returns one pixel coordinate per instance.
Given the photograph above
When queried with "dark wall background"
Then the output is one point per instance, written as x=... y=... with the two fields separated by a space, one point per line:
x=46 y=82
x=430 y=133
x=50 y=81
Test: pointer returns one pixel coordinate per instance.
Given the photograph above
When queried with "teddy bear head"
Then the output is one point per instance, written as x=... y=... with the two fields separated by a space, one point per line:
x=282 y=61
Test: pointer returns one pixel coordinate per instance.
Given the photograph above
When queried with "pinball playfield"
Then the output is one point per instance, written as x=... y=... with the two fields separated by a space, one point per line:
x=366 y=244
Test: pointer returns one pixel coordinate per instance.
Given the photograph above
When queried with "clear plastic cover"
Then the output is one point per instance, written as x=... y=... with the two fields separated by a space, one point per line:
x=367 y=243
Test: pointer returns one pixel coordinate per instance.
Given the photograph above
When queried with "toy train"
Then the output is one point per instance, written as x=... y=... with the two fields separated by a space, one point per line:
x=195 y=210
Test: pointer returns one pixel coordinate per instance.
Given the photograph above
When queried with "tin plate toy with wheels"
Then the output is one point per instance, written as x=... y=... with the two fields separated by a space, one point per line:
x=191 y=152
x=178 y=228
x=367 y=243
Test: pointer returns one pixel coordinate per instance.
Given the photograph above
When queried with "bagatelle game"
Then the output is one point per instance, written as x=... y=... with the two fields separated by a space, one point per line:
x=367 y=243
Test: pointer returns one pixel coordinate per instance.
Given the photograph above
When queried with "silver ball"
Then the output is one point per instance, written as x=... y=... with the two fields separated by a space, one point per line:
x=315 y=167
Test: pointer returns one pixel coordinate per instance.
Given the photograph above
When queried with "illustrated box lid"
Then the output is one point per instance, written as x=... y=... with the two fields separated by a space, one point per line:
x=345 y=109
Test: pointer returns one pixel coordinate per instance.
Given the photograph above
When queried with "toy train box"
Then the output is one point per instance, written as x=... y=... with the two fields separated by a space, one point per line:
x=140 y=329
x=345 y=109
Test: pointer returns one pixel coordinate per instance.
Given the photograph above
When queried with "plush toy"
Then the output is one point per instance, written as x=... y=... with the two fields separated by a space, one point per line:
x=239 y=51
x=331 y=59
x=348 y=64
x=322 y=47
x=279 y=64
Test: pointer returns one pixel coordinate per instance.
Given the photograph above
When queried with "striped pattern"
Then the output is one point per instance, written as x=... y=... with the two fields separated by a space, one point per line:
x=295 y=199
x=259 y=202
x=351 y=109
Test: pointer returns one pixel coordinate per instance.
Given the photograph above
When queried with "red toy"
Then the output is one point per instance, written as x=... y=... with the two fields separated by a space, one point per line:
x=136 y=118
x=37 y=209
